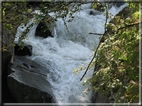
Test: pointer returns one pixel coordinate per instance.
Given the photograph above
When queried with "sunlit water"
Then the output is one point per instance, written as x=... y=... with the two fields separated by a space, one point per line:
x=68 y=50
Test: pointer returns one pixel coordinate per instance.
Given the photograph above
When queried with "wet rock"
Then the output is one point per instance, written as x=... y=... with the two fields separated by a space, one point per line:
x=6 y=95
x=33 y=4
x=7 y=40
x=36 y=3
x=6 y=57
x=118 y=3
x=23 y=50
x=94 y=12
x=28 y=83
x=99 y=98
x=43 y=31
x=124 y=13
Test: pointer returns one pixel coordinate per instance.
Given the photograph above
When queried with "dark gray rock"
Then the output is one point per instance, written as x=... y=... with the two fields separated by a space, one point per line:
x=94 y=12
x=33 y=4
x=99 y=98
x=36 y=3
x=23 y=50
x=118 y=3
x=43 y=31
x=28 y=83
x=6 y=57
x=6 y=95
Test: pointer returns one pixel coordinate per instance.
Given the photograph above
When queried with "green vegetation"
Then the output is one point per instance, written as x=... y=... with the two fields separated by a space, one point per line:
x=12 y=17
x=117 y=61
x=17 y=13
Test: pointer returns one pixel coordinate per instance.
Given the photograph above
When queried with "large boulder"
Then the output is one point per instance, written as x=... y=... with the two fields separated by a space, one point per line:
x=6 y=95
x=28 y=83
x=6 y=54
x=23 y=50
x=6 y=57
x=97 y=97
x=43 y=30
x=94 y=12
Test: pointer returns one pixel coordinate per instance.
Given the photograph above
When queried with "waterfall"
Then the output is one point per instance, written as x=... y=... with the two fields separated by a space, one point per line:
x=68 y=50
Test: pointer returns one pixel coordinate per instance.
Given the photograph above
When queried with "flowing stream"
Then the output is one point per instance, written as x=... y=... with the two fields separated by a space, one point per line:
x=68 y=50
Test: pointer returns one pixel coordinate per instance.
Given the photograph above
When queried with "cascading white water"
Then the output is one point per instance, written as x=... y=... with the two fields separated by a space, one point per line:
x=68 y=50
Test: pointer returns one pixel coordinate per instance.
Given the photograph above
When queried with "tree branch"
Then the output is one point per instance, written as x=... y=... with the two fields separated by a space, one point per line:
x=98 y=44
x=130 y=25
x=90 y=61
x=95 y=33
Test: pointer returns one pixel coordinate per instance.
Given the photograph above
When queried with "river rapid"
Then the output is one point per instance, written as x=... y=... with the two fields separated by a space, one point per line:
x=68 y=50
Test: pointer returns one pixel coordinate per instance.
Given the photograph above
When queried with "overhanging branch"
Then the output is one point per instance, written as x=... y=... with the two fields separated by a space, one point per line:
x=98 y=44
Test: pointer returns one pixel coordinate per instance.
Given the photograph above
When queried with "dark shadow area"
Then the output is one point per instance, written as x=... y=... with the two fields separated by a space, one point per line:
x=6 y=95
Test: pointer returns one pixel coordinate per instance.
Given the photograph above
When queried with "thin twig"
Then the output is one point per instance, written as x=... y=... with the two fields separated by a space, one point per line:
x=95 y=33
x=90 y=62
x=98 y=44
x=130 y=25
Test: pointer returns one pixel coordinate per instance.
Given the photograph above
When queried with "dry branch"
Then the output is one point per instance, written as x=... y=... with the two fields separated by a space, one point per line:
x=98 y=44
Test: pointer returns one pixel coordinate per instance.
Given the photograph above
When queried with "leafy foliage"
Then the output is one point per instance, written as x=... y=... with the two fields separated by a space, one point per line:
x=117 y=63
x=117 y=67
x=17 y=13
x=12 y=16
